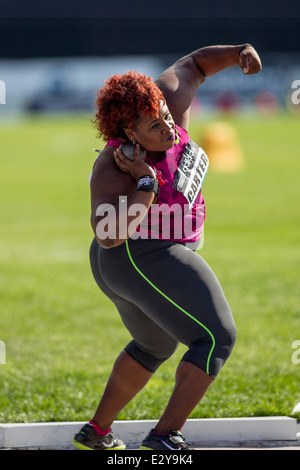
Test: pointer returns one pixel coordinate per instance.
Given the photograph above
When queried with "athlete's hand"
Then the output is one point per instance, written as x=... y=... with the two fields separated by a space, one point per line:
x=250 y=61
x=136 y=168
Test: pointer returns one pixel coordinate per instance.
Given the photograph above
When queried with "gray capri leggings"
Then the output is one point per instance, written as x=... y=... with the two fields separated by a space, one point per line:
x=166 y=294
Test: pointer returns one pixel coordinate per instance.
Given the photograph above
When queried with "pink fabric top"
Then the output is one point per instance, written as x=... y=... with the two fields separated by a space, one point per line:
x=114 y=142
x=180 y=210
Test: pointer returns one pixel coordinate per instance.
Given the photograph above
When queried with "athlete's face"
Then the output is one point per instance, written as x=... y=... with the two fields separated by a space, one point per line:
x=155 y=133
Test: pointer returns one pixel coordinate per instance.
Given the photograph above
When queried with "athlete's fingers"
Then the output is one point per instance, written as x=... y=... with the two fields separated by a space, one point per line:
x=119 y=158
x=249 y=61
x=136 y=168
x=137 y=155
x=244 y=63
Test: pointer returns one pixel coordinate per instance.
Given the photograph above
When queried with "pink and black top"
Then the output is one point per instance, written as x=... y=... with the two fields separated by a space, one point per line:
x=180 y=210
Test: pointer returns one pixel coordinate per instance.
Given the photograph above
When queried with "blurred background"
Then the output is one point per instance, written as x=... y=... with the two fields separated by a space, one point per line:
x=54 y=55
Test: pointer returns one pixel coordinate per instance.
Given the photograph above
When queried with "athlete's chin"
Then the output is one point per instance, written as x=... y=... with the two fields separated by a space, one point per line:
x=169 y=144
x=163 y=147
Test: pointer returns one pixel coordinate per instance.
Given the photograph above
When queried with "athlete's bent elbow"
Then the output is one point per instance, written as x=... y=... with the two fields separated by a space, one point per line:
x=109 y=242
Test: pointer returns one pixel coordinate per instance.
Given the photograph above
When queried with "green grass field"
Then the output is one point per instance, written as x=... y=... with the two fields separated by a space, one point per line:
x=62 y=335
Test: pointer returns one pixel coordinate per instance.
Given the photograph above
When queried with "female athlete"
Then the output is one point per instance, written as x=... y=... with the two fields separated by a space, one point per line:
x=147 y=216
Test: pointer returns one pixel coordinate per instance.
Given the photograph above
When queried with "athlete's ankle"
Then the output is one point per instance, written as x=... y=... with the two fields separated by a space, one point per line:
x=98 y=430
x=165 y=433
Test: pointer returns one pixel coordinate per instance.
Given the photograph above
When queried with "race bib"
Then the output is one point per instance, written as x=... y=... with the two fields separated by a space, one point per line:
x=191 y=172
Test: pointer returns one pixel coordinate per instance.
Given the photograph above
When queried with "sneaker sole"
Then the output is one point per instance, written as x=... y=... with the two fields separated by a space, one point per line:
x=80 y=446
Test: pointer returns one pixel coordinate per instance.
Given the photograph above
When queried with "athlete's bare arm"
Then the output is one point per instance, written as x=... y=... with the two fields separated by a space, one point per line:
x=108 y=183
x=180 y=82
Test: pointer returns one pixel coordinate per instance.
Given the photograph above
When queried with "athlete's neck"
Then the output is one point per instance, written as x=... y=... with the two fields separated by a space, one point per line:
x=156 y=155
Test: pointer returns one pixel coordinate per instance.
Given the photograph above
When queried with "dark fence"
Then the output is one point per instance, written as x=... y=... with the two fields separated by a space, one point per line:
x=102 y=27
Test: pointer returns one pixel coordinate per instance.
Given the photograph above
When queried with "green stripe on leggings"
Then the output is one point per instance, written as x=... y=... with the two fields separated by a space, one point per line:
x=172 y=302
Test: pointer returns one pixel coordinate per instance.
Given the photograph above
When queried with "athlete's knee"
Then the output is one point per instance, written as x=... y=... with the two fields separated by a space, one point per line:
x=149 y=359
x=211 y=351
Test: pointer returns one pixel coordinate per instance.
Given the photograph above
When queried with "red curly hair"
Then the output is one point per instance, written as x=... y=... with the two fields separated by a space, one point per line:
x=121 y=102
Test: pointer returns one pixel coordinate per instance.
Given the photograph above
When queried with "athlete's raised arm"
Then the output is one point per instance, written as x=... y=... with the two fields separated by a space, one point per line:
x=180 y=82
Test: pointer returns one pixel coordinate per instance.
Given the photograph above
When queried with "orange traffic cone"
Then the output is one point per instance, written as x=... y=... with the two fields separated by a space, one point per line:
x=221 y=144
